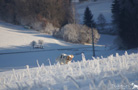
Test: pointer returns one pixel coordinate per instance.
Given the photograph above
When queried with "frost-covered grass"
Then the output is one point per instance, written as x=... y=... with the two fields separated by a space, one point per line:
x=111 y=73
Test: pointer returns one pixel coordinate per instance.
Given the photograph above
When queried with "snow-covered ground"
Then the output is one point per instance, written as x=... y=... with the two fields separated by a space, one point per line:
x=111 y=73
x=26 y=71
x=16 y=52
x=25 y=68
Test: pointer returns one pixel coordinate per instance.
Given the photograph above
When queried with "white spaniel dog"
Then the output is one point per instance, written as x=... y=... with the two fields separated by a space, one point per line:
x=64 y=59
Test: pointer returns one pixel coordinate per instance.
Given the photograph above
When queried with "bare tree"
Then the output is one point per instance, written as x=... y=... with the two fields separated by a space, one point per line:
x=57 y=12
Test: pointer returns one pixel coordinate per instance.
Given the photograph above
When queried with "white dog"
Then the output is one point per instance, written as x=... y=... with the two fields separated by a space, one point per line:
x=64 y=59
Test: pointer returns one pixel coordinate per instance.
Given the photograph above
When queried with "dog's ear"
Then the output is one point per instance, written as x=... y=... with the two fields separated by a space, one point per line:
x=72 y=56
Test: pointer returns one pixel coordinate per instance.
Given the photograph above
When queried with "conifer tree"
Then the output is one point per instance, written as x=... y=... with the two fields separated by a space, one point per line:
x=88 y=18
x=128 y=23
x=101 y=21
x=115 y=11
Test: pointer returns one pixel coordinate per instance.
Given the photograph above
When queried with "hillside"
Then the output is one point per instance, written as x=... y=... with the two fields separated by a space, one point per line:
x=16 y=51
x=17 y=36
x=25 y=68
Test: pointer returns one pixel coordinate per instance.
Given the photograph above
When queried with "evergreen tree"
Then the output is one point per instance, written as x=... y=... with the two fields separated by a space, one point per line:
x=115 y=11
x=101 y=21
x=115 y=15
x=128 y=23
x=88 y=18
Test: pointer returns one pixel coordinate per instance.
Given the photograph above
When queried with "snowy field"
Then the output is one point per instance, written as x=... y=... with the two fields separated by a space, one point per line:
x=25 y=68
x=16 y=51
x=111 y=73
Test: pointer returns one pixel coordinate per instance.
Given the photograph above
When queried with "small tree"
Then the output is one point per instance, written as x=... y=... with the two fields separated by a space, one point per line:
x=115 y=11
x=33 y=44
x=88 y=18
x=101 y=21
x=115 y=14
x=41 y=42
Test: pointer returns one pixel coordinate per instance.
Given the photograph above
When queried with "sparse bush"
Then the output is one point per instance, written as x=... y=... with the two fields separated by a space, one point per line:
x=33 y=44
x=101 y=22
x=37 y=45
x=77 y=34
x=36 y=25
x=49 y=29
x=41 y=42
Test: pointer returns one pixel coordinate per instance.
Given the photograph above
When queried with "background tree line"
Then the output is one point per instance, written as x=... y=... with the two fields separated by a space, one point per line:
x=125 y=19
x=55 y=17
x=57 y=12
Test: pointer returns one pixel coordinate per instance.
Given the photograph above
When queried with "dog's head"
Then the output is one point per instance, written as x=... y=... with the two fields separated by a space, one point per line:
x=69 y=57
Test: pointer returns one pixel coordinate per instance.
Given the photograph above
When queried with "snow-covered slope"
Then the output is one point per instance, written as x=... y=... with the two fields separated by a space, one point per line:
x=16 y=52
x=14 y=36
x=36 y=69
x=112 y=73
x=84 y=73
